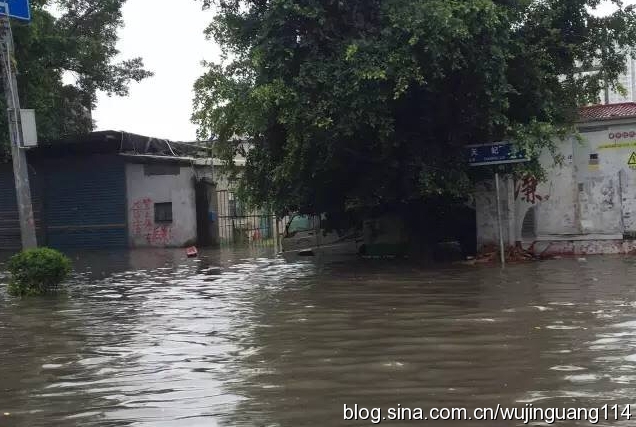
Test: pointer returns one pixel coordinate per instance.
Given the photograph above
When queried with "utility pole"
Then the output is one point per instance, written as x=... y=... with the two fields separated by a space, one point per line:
x=18 y=152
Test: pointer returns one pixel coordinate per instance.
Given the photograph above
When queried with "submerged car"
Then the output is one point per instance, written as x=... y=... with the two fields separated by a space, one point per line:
x=308 y=235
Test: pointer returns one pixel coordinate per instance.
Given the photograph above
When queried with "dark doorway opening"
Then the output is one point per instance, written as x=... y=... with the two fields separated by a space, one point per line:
x=205 y=223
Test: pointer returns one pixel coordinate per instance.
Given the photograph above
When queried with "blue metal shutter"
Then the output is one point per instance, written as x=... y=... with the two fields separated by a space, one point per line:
x=10 y=238
x=9 y=224
x=85 y=203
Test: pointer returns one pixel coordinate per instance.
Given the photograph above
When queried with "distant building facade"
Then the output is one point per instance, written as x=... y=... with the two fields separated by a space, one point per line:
x=628 y=81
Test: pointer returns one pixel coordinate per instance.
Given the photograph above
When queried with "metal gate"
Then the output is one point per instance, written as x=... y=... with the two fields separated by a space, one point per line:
x=238 y=226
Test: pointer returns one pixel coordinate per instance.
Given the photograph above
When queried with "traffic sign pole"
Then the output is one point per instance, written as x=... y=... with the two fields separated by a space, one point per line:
x=499 y=153
x=499 y=225
x=18 y=152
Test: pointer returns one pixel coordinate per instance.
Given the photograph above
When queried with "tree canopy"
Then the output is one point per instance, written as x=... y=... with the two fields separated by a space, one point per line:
x=78 y=40
x=365 y=103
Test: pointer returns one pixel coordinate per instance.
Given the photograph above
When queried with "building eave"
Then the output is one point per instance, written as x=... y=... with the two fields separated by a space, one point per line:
x=604 y=123
x=148 y=158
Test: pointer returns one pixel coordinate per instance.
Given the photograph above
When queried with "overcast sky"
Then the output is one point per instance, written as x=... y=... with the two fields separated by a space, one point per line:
x=607 y=7
x=168 y=35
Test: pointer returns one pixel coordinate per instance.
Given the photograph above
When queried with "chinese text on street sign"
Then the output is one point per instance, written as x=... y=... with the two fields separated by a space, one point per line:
x=18 y=9
x=495 y=154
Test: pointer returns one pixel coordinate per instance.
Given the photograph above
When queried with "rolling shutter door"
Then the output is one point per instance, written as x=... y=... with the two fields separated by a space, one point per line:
x=85 y=203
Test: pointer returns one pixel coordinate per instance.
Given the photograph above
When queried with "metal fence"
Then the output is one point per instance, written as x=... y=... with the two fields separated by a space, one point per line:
x=239 y=226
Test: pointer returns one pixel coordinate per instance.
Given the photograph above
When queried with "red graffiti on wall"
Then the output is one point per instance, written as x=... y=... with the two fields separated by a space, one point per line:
x=143 y=225
x=527 y=187
x=160 y=235
x=141 y=216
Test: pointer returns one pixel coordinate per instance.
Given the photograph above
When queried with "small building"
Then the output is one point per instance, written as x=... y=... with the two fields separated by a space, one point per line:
x=587 y=205
x=114 y=190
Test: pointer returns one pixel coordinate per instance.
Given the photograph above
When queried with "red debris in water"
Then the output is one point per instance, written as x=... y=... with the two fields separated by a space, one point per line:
x=192 y=252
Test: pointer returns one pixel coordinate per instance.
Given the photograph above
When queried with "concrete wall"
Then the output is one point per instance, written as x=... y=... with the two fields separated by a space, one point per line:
x=486 y=212
x=590 y=198
x=143 y=191
x=555 y=200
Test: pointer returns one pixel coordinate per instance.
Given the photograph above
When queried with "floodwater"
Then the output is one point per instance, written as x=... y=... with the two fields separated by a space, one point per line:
x=150 y=338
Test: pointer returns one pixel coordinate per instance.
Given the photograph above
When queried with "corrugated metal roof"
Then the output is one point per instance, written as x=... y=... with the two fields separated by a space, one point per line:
x=607 y=112
x=113 y=142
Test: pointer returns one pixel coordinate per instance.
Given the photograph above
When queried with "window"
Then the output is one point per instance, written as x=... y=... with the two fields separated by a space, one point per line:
x=594 y=160
x=163 y=213
x=300 y=223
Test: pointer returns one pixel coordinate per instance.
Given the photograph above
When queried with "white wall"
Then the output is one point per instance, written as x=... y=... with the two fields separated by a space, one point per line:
x=581 y=197
x=599 y=189
x=144 y=191
x=486 y=211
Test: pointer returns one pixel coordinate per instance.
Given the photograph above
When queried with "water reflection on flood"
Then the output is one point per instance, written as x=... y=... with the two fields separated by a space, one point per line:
x=151 y=338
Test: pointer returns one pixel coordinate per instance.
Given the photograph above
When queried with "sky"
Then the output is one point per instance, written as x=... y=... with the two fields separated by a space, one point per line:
x=607 y=7
x=168 y=35
x=170 y=40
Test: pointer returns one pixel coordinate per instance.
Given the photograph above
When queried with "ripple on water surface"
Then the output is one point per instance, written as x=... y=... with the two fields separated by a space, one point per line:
x=151 y=338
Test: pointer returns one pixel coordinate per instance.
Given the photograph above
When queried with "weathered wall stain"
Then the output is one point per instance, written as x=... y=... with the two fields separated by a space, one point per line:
x=608 y=193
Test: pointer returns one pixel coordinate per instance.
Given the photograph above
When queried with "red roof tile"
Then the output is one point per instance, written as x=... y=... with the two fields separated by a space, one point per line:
x=607 y=112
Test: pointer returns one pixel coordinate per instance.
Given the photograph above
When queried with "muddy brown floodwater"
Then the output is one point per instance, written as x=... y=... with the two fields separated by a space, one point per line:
x=150 y=338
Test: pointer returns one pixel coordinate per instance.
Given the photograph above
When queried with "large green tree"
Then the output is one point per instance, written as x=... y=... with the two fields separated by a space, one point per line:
x=366 y=103
x=73 y=38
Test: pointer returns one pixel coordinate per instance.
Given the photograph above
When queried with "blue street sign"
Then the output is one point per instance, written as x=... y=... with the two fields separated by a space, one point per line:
x=495 y=154
x=18 y=9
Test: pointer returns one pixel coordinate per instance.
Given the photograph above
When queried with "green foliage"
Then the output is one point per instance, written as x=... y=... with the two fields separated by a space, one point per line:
x=37 y=271
x=77 y=40
x=358 y=104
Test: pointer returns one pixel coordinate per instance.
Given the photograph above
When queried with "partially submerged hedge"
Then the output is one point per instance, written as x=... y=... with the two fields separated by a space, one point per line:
x=37 y=271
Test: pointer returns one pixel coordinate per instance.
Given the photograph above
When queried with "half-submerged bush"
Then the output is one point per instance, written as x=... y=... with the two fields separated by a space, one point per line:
x=37 y=271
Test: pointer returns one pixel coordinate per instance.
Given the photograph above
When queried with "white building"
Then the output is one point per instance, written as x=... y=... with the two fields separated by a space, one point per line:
x=587 y=205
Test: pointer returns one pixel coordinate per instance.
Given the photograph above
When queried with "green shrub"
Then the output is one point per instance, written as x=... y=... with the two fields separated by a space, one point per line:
x=37 y=271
